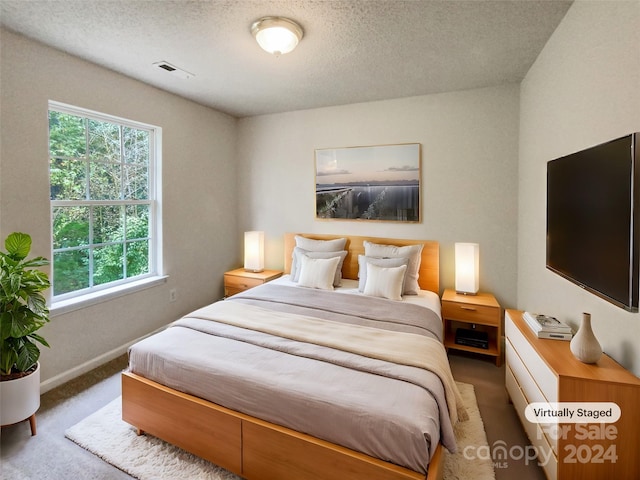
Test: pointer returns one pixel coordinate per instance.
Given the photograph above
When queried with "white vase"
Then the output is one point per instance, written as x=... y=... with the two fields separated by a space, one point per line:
x=20 y=398
x=584 y=345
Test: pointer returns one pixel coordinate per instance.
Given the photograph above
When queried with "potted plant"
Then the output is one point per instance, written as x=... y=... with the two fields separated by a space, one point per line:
x=23 y=311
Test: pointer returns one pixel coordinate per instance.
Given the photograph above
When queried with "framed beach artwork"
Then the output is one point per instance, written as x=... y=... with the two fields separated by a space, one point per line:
x=379 y=183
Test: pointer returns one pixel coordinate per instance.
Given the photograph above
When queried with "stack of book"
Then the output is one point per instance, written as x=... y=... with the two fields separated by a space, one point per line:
x=545 y=326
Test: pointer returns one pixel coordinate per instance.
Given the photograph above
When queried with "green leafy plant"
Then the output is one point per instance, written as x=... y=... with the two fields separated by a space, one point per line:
x=23 y=308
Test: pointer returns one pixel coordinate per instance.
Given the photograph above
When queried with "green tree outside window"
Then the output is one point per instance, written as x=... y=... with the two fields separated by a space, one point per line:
x=100 y=201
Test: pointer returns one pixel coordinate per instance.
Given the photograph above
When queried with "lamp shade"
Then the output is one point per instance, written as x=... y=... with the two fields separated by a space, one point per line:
x=254 y=251
x=467 y=268
x=276 y=35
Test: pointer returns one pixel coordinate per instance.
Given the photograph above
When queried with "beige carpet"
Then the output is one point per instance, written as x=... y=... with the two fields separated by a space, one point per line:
x=148 y=458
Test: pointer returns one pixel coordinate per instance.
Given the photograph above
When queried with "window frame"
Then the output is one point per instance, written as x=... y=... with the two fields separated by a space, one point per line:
x=96 y=293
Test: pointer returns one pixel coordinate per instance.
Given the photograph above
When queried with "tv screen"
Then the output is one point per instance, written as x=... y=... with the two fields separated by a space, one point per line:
x=592 y=220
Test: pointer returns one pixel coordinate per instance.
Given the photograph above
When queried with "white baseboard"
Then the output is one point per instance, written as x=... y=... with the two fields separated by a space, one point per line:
x=64 y=377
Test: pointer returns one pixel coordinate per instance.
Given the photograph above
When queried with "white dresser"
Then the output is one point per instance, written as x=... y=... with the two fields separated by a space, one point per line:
x=541 y=370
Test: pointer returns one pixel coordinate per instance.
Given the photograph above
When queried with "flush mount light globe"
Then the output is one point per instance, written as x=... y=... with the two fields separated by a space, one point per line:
x=276 y=35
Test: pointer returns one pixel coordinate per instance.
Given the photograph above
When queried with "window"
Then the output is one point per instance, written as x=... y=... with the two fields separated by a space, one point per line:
x=104 y=200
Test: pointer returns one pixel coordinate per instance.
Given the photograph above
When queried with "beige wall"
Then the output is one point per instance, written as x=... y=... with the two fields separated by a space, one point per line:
x=199 y=198
x=223 y=176
x=469 y=174
x=582 y=90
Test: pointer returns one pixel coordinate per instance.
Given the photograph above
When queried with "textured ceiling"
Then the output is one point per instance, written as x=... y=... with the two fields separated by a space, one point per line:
x=352 y=50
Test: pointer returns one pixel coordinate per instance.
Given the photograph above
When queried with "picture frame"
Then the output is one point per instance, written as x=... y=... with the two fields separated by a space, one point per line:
x=373 y=183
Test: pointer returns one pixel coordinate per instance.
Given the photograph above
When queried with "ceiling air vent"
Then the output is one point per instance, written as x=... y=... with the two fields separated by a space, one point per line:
x=173 y=70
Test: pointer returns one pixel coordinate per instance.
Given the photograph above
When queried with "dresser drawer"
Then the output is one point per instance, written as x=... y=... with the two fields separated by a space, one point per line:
x=471 y=313
x=522 y=375
x=241 y=283
x=230 y=292
x=527 y=384
x=536 y=436
x=545 y=379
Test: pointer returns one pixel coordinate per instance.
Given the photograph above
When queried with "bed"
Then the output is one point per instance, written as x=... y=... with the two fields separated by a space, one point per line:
x=204 y=383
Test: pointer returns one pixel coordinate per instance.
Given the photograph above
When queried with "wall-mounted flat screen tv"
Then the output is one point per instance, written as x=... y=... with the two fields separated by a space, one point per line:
x=593 y=220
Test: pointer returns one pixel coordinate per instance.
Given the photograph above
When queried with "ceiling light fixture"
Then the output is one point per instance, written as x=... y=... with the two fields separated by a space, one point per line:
x=276 y=35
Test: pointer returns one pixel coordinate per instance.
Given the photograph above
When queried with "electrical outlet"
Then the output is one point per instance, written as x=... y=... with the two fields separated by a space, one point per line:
x=173 y=295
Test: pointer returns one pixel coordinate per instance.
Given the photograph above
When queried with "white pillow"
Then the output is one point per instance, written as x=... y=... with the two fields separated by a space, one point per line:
x=385 y=282
x=379 y=262
x=311 y=245
x=318 y=272
x=299 y=252
x=320 y=245
x=412 y=252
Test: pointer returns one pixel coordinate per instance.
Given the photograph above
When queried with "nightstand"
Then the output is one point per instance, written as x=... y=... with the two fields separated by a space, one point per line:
x=481 y=314
x=239 y=280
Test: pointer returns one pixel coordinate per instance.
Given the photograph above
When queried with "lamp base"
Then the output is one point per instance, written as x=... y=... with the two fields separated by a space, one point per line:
x=466 y=293
x=254 y=270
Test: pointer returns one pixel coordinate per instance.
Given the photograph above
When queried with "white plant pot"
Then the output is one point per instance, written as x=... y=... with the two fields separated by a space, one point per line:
x=19 y=398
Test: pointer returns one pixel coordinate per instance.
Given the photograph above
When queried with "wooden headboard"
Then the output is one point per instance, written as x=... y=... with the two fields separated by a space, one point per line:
x=429 y=274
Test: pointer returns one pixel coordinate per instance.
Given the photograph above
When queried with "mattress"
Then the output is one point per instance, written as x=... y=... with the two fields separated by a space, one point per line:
x=396 y=412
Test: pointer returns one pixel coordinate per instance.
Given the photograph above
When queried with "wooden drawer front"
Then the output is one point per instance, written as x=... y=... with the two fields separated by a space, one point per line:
x=229 y=292
x=171 y=415
x=267 y=454
x=240 y=283
x=471 y=313
x=544 y=377
x=527 y=384
x=537 y=438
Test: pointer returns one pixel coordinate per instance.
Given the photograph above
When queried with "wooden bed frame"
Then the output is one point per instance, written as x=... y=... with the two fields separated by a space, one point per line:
x=253 y=448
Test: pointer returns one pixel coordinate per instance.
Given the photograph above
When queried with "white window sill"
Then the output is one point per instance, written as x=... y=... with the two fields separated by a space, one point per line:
x=66 y=306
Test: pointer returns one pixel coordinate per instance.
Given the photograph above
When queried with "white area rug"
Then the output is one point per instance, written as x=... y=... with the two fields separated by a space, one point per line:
x=148 y=458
